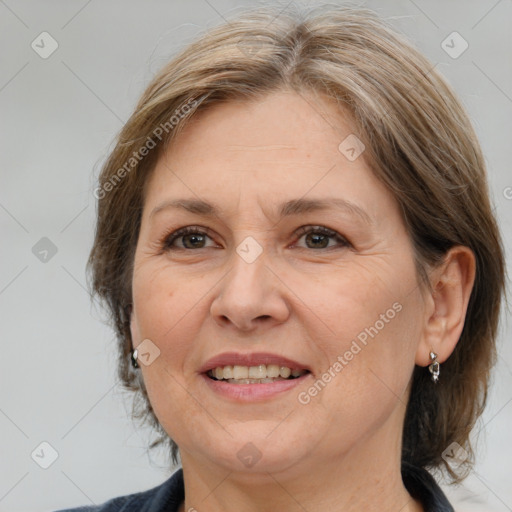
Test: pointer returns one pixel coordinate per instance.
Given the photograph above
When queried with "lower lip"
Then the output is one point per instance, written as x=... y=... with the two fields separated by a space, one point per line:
x=252 y=392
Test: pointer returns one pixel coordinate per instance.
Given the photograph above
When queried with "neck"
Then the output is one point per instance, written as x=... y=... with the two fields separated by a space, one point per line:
x=275 y=496
x=368 y=477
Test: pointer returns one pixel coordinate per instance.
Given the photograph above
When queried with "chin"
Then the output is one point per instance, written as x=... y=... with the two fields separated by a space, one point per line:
x=251 y=455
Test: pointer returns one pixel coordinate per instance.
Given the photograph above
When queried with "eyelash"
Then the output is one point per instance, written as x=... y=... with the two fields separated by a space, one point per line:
x=169 y=239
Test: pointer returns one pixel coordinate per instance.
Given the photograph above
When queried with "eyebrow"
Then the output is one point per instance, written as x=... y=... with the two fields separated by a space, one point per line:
x=287 y=209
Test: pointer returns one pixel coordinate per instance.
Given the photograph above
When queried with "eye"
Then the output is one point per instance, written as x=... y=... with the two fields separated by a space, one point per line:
x=191 y=238
x=318 y=237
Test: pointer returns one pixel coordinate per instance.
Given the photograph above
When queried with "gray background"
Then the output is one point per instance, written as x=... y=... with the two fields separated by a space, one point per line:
x=59 y=116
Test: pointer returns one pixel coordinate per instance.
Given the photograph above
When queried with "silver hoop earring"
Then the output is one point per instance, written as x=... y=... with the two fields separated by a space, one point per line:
x=434 y=367
x=134 y=354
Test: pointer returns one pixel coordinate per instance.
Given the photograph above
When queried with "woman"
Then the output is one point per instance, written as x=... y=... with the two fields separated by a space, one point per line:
x=297 y=247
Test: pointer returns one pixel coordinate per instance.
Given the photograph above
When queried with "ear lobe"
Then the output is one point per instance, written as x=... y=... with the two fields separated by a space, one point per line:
x=452 y=284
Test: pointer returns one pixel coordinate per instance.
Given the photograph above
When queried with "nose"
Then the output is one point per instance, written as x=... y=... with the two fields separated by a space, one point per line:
x=250 y=296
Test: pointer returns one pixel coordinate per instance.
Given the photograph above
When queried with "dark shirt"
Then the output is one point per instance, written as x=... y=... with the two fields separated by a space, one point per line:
x=168 y=496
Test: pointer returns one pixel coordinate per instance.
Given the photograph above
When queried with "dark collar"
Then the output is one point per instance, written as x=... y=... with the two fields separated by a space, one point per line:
x=421 y=486
x=168 y=496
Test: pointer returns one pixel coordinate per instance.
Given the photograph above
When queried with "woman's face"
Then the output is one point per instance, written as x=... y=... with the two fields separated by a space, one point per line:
x=260 y=276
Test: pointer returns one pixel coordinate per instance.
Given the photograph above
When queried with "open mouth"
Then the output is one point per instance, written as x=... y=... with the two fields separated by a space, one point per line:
x=261 y=374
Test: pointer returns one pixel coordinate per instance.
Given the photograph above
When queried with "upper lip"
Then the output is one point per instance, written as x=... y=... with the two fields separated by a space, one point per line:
x=250 y=359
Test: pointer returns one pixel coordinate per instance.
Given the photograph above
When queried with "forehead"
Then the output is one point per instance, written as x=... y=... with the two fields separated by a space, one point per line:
x=285 y=145
x=278 y=123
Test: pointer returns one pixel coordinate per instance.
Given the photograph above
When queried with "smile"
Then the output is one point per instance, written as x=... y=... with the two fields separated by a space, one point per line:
x=260 y=374
x=247 y=389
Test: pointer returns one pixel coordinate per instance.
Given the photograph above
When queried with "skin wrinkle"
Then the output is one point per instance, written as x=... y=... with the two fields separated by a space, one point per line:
x=308 y=304
x=261 y=148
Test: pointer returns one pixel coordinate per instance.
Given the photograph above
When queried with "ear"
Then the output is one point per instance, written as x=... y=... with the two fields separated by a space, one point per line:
x=445 y=308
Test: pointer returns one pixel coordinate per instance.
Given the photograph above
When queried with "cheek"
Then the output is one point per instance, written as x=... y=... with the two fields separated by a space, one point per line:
x=168 y=318
x=166 y=312
x=374 y=321
x=158 y=302
x=172 y=402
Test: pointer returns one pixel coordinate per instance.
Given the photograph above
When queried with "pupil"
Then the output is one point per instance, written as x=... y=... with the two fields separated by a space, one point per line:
x=316 y=237
x=193 y=239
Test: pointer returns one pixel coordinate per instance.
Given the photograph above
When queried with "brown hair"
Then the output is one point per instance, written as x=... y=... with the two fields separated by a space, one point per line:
x=419 y=142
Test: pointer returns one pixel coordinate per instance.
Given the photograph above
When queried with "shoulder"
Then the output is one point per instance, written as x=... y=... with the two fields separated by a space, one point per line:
x=164 y=497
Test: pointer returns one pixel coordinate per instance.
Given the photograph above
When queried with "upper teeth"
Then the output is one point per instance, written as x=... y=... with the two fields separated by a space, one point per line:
x=261 y=371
